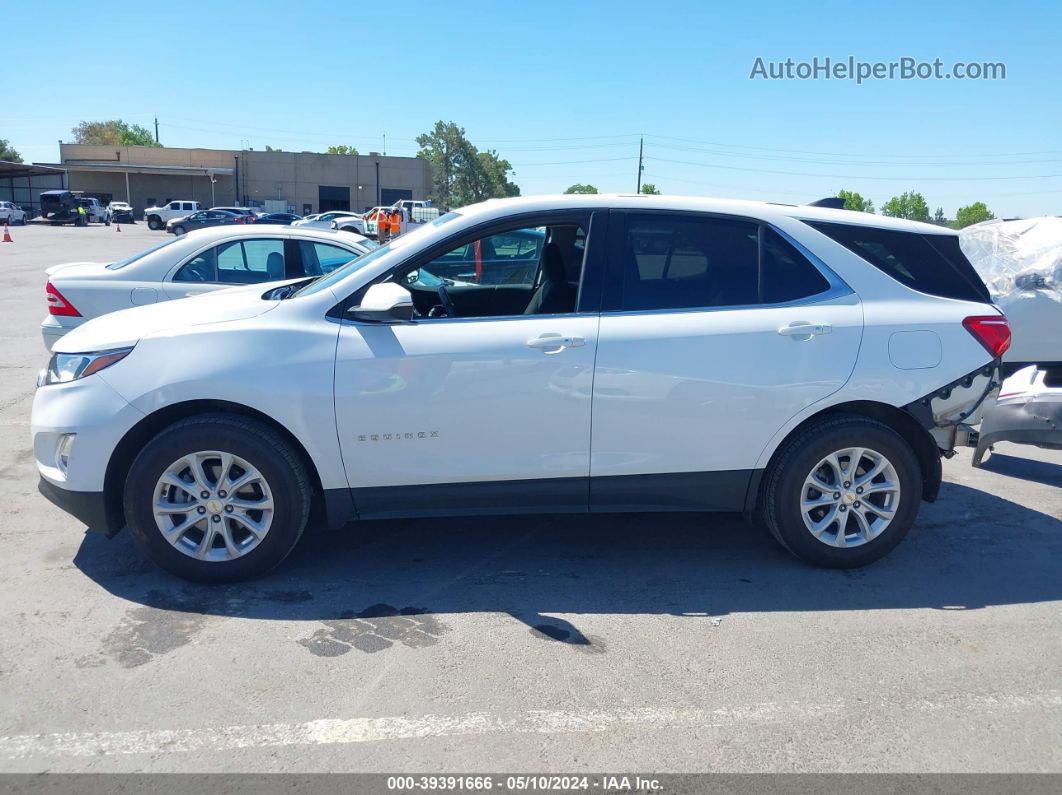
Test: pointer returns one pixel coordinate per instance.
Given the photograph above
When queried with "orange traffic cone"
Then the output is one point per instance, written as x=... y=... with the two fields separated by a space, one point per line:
x=7 y=234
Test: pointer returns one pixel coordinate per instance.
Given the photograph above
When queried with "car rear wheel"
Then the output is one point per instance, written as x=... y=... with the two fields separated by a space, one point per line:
x=217 y=498
x=843 y=492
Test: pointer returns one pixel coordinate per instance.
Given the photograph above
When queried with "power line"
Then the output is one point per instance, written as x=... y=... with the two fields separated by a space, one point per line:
x=834 y=161
x=913 y=179
x=846 y=154
x=573 y=162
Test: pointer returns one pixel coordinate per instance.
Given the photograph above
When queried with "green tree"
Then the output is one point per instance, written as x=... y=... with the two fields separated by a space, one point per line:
x=650 y=188
x=7 y=152
x=486 y=176
x=271 y=149
x=854 y=201
x=450 y=155
x=113 y=133
x=938 y=217
x=578 y=187
x=909 y=205
x=973 y=214
x=342 y=149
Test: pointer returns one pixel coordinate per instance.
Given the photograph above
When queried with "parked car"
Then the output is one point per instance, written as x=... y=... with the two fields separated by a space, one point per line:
x=278 y=218
x=249 y=215
x=60 y=207
x=11 y=213
x=203 y=219
x=96 y=212
x=209 y=260
x=324 y=220
x=807 y=366
x=350 y=223
x=122 y=213
x=157 y=217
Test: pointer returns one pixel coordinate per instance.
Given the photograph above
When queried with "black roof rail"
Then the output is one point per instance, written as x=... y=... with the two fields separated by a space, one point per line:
x=833 y=202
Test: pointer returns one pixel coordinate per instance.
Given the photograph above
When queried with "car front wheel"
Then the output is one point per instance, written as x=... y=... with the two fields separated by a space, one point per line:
x=843 y=492
x=154 y=222
x=217 y=498
x=178 y=230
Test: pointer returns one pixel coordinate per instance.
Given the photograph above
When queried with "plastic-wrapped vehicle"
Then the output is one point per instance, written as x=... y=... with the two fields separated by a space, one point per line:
x=1021 y=263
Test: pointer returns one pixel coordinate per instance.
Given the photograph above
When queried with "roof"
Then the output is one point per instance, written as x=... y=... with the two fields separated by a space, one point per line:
x=116 y=167
x=758 y=209
x=265 y=230
x=10 y=169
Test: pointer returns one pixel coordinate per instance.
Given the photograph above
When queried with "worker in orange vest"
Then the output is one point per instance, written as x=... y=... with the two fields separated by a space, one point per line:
x=395 y=223
x=382 y=225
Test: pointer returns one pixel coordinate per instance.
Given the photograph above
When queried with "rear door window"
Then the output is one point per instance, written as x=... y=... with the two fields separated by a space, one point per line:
x=690 y=261
x=928 y=263
x=237 y=262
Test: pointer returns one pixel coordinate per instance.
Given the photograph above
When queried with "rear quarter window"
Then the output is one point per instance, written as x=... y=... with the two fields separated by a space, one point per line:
x=928 y=263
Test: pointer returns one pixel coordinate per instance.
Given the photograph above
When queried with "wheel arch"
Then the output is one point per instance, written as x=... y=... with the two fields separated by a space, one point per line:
x=919 y=439
x=135 y=438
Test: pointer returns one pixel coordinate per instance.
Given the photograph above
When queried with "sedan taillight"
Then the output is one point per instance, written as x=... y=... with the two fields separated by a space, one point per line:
x=57 y=304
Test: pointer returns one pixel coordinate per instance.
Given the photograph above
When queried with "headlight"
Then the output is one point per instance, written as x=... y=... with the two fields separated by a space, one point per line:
x=65 y=367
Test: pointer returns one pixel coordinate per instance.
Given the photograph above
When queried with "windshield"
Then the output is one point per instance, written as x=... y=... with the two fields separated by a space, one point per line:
x=326 y=282
x=130 y=260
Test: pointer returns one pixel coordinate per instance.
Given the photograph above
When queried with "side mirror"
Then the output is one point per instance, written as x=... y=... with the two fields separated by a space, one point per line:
x=384 y=303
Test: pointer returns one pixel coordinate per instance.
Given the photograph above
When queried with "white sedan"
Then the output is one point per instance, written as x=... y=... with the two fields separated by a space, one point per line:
x=11 y=213
x=203 y=261
x=324 y=220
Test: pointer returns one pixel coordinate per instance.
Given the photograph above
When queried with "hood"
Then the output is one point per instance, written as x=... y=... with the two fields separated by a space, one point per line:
x=76 y=269
x=128 y=326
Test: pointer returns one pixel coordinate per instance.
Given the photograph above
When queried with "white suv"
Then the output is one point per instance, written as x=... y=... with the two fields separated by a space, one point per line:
x=806 y=366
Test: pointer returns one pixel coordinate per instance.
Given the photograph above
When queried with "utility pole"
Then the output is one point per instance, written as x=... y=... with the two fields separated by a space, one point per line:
x=385 y=145
x=156 y=129
x=641 y=145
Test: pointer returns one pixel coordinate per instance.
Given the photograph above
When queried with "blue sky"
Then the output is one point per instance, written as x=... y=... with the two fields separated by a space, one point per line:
x=564 y=90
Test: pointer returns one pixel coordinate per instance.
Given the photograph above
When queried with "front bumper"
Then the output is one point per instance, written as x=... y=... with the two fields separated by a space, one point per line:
x=88 y=507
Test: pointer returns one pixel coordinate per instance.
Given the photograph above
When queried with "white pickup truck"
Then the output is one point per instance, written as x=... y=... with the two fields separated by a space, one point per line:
x=157 y=217
x=417 y=211
x=97 y=213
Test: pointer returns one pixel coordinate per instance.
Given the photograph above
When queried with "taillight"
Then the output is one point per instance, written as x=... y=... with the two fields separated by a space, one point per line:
x=992 y=331
x=57 y=304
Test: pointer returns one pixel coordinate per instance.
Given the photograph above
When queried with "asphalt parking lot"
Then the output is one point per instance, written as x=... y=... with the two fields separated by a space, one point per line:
x=654 y=642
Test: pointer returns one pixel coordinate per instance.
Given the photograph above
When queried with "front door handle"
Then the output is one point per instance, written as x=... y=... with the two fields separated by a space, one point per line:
x=555 y=343
x=803 y=330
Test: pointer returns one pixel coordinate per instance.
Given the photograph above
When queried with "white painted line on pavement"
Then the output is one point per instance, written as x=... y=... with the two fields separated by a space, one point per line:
x=364 y=730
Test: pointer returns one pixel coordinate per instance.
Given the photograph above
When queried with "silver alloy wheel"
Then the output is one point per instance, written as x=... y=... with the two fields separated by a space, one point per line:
x=213 y=506
x=850 y=497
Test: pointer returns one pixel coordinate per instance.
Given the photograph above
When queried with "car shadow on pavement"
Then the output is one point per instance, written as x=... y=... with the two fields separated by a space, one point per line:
x=969 y=550
x=1045 y=472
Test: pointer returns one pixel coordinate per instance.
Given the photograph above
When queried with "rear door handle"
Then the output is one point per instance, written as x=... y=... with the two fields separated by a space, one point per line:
x=804 y=329
x=555 y=343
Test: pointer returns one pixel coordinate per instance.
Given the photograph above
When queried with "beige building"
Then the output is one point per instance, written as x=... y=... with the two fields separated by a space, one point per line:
x=299 y=182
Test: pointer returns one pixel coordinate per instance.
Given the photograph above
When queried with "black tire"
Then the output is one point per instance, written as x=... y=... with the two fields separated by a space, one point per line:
x=793 y=463
x=248 y=439
x=178 y=230
x=154 y=223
